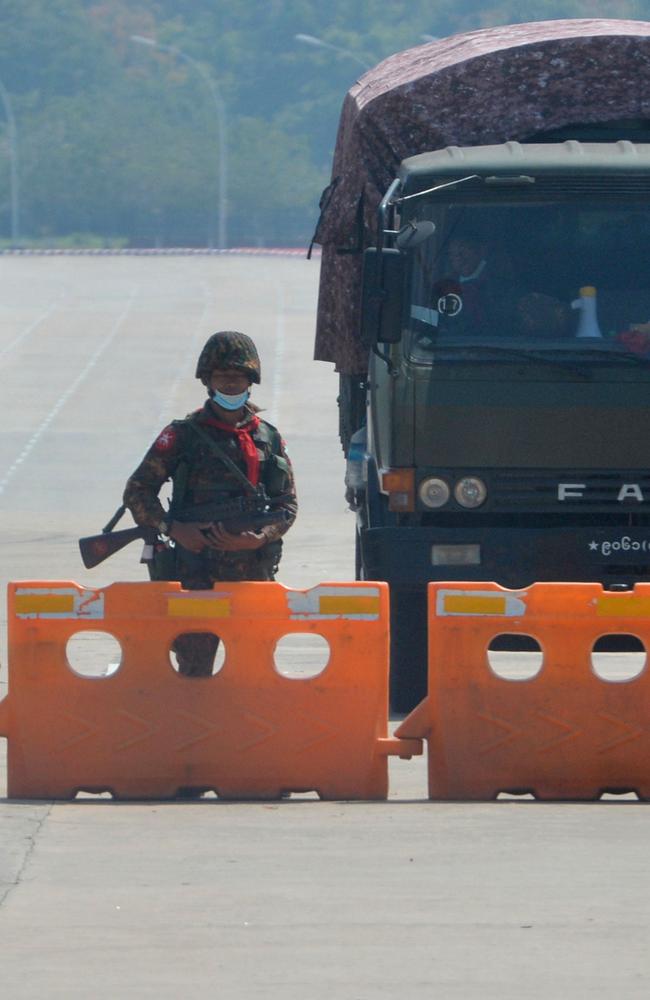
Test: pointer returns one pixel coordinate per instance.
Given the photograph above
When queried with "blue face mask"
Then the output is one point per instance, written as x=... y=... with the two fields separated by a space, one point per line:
x=231 y=402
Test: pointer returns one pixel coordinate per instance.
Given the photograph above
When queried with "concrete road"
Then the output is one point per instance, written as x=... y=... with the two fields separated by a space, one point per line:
x=297 y=899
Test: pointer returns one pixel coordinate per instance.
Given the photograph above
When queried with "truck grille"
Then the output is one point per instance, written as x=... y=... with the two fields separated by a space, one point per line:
x=539 y=490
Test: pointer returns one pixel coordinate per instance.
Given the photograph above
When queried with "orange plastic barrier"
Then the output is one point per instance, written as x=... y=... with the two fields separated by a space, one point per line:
x=564 y=734
x=246 y=732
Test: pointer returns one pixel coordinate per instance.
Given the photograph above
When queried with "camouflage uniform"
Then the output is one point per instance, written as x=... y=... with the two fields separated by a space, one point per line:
x=257 y=449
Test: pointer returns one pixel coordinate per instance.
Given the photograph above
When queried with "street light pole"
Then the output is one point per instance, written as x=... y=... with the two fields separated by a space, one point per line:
x=13 y=162
x=220 y=108
x=319 y=43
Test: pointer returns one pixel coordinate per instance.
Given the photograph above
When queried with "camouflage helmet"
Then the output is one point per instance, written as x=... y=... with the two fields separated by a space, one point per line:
x=229 y=349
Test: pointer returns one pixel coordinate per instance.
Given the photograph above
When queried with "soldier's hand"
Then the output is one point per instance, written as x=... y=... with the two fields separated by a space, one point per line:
x=218 y=538
x=189 y=535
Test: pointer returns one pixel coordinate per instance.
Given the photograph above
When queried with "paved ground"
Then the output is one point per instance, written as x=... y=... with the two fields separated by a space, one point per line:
x=297 y=899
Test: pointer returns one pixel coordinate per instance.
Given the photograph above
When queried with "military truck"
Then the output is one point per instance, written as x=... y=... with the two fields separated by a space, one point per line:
x=485 y=295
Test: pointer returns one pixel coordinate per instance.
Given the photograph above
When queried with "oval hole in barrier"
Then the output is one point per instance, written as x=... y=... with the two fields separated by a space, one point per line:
x=301 y=655
x=197 y=654
x=93 y=654
x=618 y=657
x=514 y=657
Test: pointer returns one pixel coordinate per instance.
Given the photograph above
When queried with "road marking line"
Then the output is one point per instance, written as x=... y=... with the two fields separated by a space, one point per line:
x=186 y=370
x=278 y=356
x=60 y=403
x=32 y=326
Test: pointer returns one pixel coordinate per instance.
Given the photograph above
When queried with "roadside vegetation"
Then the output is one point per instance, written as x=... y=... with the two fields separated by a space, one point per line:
x=117 y=142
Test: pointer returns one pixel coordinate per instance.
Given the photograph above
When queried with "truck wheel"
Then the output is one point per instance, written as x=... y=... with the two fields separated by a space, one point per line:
x=408 y=649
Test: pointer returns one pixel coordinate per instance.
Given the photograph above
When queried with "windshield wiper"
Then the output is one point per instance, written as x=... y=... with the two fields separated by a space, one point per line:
x=438 y=187
x=515 y=353
x=626 y=357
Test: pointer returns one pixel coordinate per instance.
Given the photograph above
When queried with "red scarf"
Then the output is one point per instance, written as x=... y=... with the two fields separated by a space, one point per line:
x=244 y=435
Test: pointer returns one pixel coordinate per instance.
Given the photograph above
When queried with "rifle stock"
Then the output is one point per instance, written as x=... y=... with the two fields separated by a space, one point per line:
x=95 y=548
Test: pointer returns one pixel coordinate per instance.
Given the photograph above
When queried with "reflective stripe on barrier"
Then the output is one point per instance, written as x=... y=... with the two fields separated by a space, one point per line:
x=145 y=731
x=563 y=734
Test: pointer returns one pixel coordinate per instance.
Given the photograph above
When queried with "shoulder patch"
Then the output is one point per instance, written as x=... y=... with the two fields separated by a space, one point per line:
x=166 y=439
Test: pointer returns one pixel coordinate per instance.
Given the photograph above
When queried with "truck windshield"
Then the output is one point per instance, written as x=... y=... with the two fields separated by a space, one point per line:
x=567 y=280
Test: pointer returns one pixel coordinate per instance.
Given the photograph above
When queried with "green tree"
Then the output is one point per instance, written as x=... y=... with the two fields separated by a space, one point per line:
x=121 y=140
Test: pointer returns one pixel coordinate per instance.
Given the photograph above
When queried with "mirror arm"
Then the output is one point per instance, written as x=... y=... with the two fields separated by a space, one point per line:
x=385 y=357
x=386 y=204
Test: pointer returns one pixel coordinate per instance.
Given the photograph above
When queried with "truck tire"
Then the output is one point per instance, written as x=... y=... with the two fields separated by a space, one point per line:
x=408 y=649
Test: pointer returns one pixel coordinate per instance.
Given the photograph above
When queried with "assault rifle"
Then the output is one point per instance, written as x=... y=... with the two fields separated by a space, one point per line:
x=248 y=513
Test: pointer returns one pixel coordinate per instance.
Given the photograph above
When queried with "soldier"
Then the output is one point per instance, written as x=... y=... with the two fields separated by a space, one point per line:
x=482 y=283
x=209 y=455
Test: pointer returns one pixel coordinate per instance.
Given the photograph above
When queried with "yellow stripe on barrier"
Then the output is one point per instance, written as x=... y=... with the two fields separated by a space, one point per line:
x=198 y=607
x=44 y=603
x=466 y=605
x=623 y=606
x=331 y=605
x=328 y=602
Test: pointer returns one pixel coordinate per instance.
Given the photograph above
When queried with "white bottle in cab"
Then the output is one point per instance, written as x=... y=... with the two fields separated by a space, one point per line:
x=355 y=467
x=588 y=322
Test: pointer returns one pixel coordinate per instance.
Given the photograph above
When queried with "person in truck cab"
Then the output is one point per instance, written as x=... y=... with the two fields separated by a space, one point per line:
x=473 y=296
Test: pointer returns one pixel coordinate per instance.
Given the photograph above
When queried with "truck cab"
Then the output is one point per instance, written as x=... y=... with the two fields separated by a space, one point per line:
x=507 y=305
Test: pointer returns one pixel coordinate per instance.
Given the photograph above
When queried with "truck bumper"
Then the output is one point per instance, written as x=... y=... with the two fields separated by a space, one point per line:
x=513 y=557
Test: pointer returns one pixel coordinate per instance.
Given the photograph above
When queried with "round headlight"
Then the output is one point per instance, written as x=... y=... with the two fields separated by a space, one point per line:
x=434 y=492
x=470 y=491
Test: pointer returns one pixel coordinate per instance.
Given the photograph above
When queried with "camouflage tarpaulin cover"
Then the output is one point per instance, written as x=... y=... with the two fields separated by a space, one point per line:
x=480 y=88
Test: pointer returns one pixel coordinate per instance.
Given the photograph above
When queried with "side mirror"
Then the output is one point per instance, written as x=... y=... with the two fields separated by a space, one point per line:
x=382 y=296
